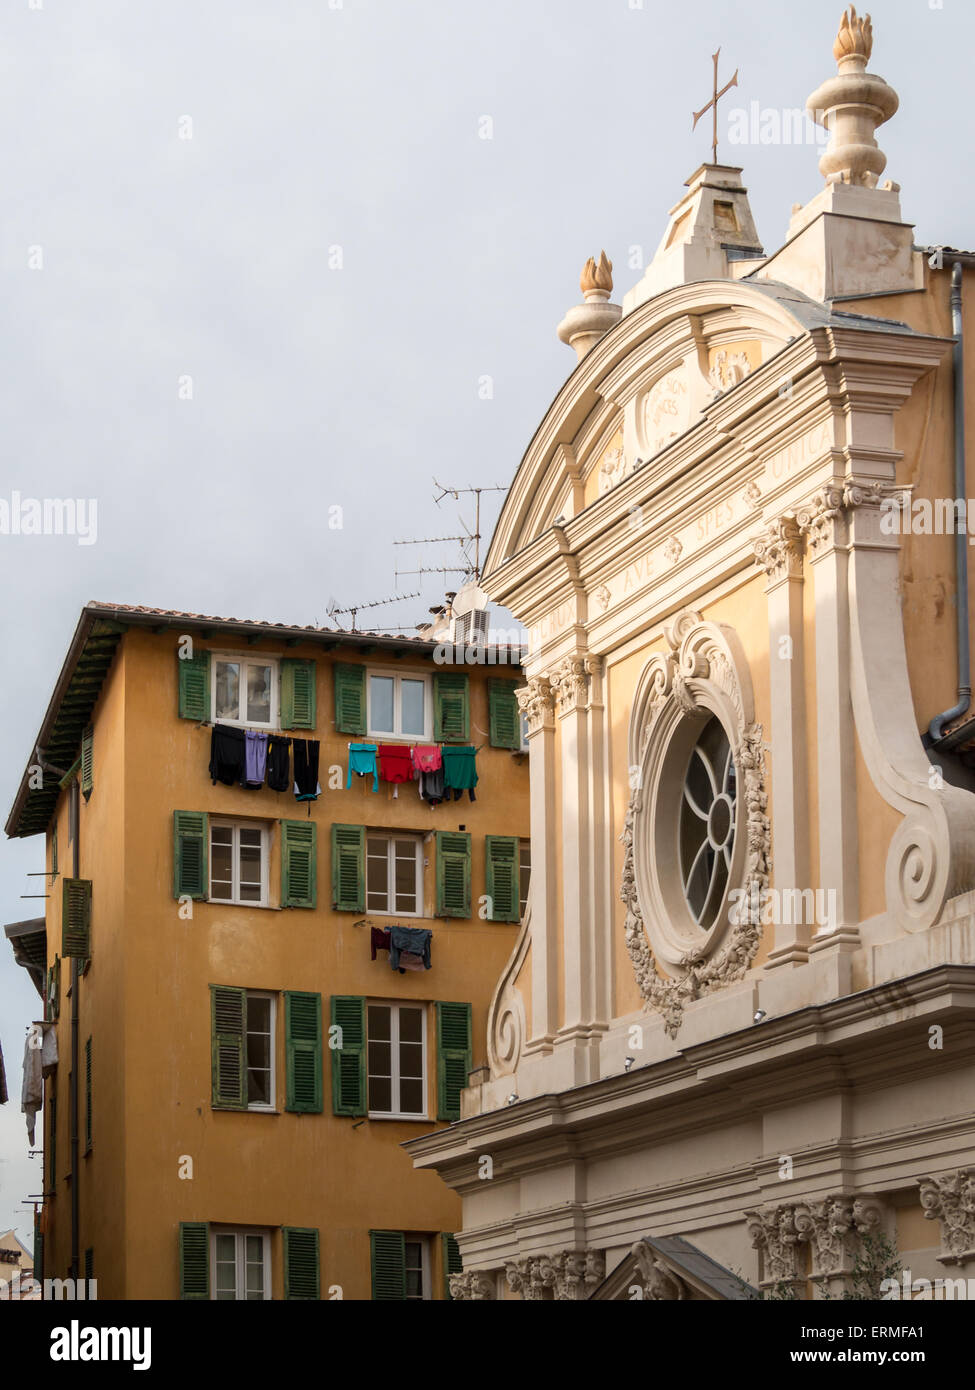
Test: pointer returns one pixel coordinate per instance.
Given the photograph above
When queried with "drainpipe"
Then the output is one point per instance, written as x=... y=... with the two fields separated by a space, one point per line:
x=73 y=1098
x=948 y=716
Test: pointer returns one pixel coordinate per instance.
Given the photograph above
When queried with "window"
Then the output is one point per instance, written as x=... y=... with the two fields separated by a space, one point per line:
x=707 y=823
x=524 y=874
x=259 y=1051
x=240 y=1265
x=398 y=706
x=245 y=691
x=417 y=1268
x=238 y=862
x=396 y=1038
x=394 y=875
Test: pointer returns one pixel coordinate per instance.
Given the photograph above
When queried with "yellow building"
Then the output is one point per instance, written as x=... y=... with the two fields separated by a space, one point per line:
x=732 y=1050
x=239 y=1066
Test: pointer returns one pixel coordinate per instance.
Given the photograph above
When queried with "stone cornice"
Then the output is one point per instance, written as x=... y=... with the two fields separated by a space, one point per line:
x=866 y=1039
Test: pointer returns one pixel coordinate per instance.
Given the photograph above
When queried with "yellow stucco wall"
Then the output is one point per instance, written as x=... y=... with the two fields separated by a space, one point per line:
x=146 y=999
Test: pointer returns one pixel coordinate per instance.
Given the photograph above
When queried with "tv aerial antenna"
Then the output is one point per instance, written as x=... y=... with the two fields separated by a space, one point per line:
x=335 y=612
x=471 y=568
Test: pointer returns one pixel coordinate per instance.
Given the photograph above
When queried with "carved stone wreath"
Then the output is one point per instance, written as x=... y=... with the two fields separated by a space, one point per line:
x=704 y=674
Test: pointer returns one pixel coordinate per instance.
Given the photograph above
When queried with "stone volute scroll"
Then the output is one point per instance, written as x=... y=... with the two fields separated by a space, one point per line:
x=701 y=683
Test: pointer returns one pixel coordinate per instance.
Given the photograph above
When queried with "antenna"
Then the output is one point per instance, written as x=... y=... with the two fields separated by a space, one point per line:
x=334 y=612
x=469 y=570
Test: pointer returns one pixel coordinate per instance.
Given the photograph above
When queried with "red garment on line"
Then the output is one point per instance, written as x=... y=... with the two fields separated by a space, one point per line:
x=395 y=764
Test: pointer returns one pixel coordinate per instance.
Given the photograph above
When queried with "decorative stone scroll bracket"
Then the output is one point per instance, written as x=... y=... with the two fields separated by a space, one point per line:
x=950 y=1199
x=477 y=1287
x=829 y=1227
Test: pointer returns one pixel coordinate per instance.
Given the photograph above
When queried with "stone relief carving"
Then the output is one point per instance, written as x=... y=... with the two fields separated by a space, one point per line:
x=672 y=550
x=830 y=1227
x=698 y=659
x=950 y=1199
x=537 y=701
x=660 y=1284
x=568 y=683
x=779 y=551
x=477 y=1286
x=612 y=470
x=753 y=494
x=728 y=369
x=570 y=1275
x=602 y=597
x=506 y=1015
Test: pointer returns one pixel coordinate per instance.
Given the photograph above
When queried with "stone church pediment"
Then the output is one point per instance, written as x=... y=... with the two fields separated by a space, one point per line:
x=671 y=1269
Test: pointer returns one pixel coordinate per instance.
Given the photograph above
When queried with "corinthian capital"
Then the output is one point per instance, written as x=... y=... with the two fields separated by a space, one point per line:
x=569 y=683
x=950 y=1199
x=537 y=701
x=779 y=551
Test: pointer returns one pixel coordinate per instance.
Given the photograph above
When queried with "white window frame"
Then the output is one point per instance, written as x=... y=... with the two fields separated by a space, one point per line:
x=426 y=1281
x=255 y=660
x=239 y=1232
x=397 y=735
x=390 y=836
x=524 y=844
x=395 y=1006
x=272 y=1107
x=225 y=823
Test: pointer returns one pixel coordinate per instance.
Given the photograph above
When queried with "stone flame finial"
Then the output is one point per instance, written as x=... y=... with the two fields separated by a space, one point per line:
x=854 y=42
x=584 y=325
x=851 y=106
x=597 y=277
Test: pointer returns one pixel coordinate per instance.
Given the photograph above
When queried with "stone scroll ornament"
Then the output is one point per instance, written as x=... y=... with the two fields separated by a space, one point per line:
x=703 y=669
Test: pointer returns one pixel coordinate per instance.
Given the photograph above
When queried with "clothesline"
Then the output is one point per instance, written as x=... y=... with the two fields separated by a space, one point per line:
x=438 y=769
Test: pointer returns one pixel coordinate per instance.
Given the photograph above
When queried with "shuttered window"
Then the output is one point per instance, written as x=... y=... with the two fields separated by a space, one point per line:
x=194 y=1259
x=451 y=707
x=88 y=762
x=450 y=1258
x=76 y=917
x=301 y=1263
x=189 y=854
x=388 y=1259
x=228 y=1016
x=347 y=1046
x=350 y=698
x=87 y=1095
x=396 y=1060
x=453 y=874
x=297 y=694
x=303 y=1048
x=240 y=1265
x=193 y=675
x=502 y=877
x=503 y=714
x=239 y=862
x=349 y=868
x=299 y=863
x=454 y=1060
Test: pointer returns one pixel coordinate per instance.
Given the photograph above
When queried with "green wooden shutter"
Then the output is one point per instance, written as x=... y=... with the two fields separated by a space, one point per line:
x=299 y=861
x=451 y=707
x=350 y=698
x=87 y=1095
x=502 y=877
x=454 y=1061
x=349 y=1060
x=76 y=917
x=190 y=854
x=87 y=761
x=503 y=714
x=53 y=992
x=349 y=868
x=452 y=1263
x=297 y=694
x=387 y=1252
x=301 y=1262
x=194 y=1259
x=303 y=1048
x=228 y=1026
x=194 y=687
x=453 y=874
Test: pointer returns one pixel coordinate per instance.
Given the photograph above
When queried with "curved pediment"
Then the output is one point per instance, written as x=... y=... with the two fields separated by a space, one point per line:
x=650 y=381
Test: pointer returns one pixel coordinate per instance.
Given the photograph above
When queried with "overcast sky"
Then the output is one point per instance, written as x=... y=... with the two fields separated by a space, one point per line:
x=331 y=265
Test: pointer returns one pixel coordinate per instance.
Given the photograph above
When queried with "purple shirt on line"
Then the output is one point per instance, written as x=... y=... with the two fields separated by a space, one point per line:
x=255 y=758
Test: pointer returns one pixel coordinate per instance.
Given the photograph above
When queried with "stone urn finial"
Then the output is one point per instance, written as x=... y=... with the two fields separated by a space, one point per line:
x=851 y=106
x=584 y=325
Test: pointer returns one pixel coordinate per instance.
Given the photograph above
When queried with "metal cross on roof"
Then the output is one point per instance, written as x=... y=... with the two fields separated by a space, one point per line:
x=713 y=105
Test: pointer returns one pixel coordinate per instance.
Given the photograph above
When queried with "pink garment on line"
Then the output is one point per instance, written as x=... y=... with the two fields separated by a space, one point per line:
x=427 y=757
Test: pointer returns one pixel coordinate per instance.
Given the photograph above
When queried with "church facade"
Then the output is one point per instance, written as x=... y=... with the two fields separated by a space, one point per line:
x=731 y=1055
